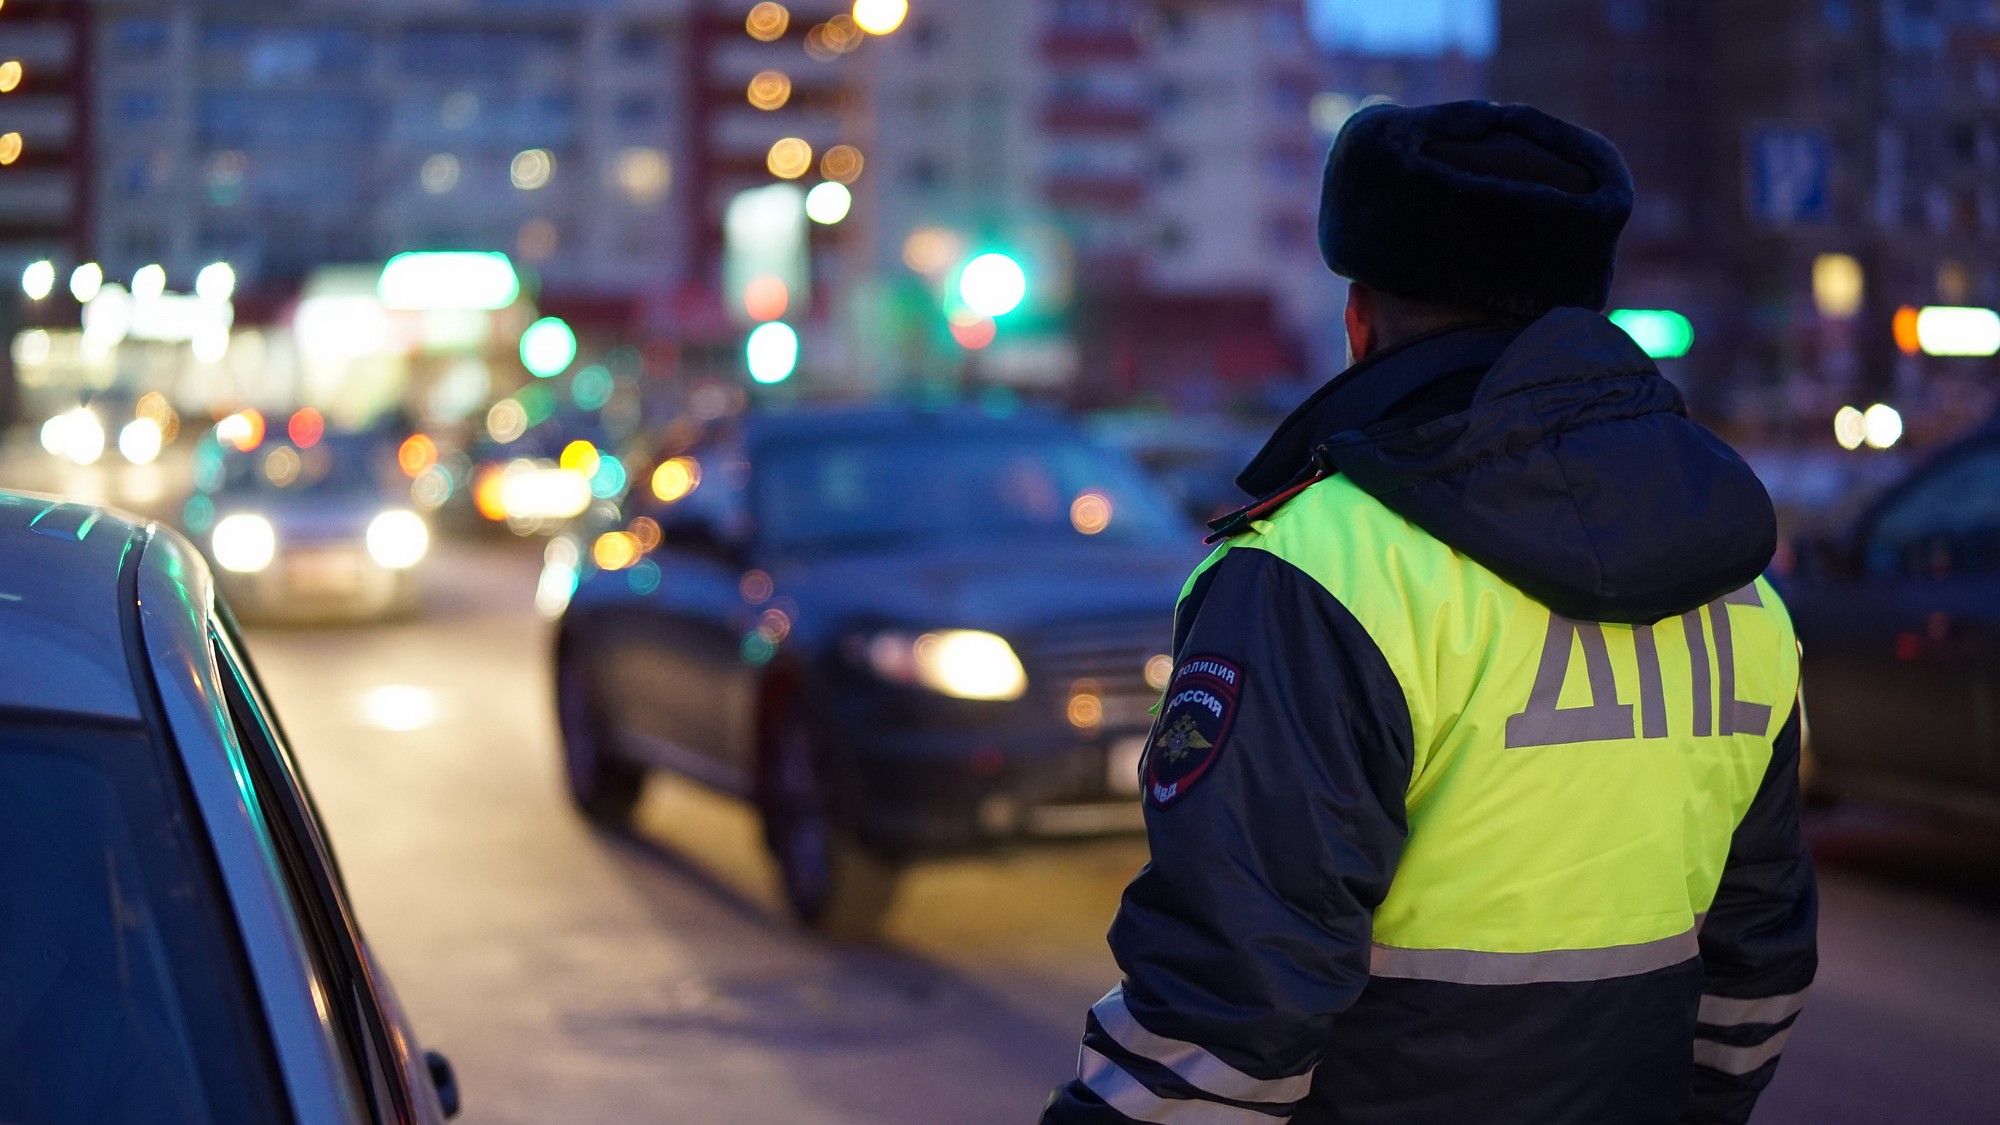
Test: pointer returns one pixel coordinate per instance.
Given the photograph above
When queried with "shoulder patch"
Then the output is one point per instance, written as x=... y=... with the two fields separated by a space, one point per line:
x=1194 y=722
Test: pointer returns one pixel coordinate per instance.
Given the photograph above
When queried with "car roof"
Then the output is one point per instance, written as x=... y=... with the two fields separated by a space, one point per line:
x=62 y=638
x=879 y=420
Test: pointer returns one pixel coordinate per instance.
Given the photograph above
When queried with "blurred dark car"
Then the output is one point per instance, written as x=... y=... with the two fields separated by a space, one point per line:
x=1900 y=624
x=896 y=631
x=324 y=531
x=1194 y=459
x=176 y=944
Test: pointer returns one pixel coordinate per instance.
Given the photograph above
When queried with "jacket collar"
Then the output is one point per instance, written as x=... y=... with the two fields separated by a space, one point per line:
x=1369 y=392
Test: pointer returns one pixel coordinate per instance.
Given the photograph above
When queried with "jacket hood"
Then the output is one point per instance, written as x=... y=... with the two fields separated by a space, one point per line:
x=1574 y=473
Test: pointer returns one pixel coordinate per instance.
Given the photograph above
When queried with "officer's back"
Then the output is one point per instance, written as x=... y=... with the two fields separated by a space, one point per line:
x=1474 y=795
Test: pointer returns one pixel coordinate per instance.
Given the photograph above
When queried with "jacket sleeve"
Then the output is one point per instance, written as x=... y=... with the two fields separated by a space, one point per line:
x=1759 y=947
x=1248 y=932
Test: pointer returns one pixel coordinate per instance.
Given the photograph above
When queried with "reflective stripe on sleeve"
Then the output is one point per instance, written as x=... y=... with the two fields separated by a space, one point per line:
x=1725 y=1011
x=1130 y=1097
x=1738 y=1060
x=1194 y=1065
x=1471 y=966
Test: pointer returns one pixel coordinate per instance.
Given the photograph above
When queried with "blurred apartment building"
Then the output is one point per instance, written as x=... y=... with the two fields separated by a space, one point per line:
x=1806 y=169
x=44 y=131
x=282 y=137
x=1153 y=164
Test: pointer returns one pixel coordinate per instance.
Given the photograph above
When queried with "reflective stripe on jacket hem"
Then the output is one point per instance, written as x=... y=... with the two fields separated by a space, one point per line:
x=1738 y=1060
x=1130 y=1097
x=1194 y=1065
x=1471 y=966
x=1725 y=1011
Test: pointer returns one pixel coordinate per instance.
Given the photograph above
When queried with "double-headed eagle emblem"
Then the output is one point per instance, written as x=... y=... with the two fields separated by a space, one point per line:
x=1180 y=738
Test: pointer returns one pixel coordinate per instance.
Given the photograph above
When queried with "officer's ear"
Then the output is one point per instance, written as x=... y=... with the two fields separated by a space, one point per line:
x=1361 y=334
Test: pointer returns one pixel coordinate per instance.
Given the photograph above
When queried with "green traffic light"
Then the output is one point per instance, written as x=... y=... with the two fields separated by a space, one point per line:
x=548 y=347
x=992 y=285
x=1660 y=333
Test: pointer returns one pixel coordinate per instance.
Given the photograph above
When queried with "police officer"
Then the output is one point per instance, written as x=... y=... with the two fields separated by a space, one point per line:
x=1473 y=799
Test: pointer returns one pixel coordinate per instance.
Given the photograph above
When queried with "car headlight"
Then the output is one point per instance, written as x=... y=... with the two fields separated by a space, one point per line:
x=965 y=663
x=397 y=539
x=244 y=543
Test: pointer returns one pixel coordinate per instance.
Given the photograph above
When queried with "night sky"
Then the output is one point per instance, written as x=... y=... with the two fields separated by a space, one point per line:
x=1405 y=25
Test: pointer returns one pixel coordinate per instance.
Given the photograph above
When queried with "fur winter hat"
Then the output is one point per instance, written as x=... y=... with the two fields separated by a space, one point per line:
x=1496 y=208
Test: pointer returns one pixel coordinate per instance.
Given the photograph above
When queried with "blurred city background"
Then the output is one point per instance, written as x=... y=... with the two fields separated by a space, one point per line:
x=479 y=276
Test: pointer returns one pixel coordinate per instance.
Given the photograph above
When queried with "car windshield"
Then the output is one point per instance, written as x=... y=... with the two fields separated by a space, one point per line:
x=855 y=491
x=122 y=994
x=332 y=468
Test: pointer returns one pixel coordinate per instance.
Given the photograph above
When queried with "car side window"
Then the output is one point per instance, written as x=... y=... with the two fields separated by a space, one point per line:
x=318 y=898
x=1947 y=524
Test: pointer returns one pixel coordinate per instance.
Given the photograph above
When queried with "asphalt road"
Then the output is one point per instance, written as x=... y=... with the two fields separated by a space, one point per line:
x=575 y=977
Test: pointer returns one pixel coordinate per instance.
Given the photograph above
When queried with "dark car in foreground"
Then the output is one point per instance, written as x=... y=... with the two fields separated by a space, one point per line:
x=1900 y=624
x=325 y=530
x=176 y=945
x=896 y=631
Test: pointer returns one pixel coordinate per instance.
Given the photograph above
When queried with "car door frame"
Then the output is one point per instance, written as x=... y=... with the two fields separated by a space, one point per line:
x=394 y=1078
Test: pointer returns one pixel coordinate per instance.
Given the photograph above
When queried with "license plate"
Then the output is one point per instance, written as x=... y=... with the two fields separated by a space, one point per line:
x=1121 y=764
x=324 y=573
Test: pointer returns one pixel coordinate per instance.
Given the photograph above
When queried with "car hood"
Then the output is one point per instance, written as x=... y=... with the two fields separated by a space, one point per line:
x=996 y=584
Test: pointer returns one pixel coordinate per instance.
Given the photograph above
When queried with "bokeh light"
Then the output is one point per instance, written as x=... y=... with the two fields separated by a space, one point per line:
x=1883 y=425
x=506 y=421
x=10 y=147
x=615 y=550
x=992 y=285
x=1850 y=427
x=39 y=279
x=770 y=89
x=305 y=427
x=85 y=281
x=531 y=169
x=675 y=478
x=1090 y=512
x=767 y=21
x=765 y=298
x=880 y=17
x=932 y=250
x=828 y=203
x=789 y=158
x=772 y=352
x=842 y=164
x=548 y=347
x=10 y=75
x=417 y=453
x=580 y=457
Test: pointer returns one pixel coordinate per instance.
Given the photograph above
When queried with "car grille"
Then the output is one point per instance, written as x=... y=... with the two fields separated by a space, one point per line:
x=1110 y=654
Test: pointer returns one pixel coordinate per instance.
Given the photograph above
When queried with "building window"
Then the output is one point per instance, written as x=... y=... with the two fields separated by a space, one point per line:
x=138 y=107
x=137 y=39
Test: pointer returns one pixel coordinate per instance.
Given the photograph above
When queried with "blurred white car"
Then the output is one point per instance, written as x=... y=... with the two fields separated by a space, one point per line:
x=317 y=532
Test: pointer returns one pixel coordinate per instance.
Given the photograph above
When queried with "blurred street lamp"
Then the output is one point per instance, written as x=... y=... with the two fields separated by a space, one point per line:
x=1837 y=285
x=10 y=148
x=1850 y=427
x=880 y=17
x=828 y=203
x=531 y=169
x=10 y=75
